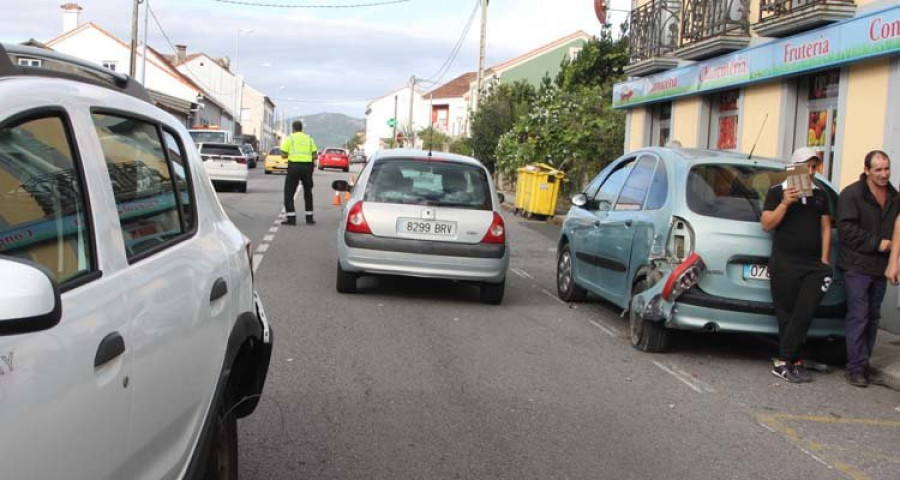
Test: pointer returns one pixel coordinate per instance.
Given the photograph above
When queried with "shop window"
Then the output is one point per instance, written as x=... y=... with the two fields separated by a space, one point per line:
x=143 y=183
x=723 y=120
x=43 y=210
x=661 y=124
x=817 y=112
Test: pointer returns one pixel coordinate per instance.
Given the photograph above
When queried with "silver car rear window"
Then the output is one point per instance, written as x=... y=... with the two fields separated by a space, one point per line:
x=733 y=192
x=232 y=150
x=429 y=182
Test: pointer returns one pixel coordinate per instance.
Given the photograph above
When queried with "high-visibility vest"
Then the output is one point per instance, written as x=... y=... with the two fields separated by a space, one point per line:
x=299 y=147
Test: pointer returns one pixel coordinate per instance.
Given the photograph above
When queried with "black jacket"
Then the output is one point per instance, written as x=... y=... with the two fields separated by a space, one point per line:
x=862 y=224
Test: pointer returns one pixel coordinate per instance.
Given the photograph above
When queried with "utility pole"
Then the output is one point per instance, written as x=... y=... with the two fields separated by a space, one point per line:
x=484 y=5
x=144 y=46
x=132 y=65
x=394 y=133
x=412 y=92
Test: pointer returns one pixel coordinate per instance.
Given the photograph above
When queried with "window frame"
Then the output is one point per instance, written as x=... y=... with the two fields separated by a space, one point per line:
x=616 y=166
x=188 y=176
x=637 y=160
x=94 y=272
x=158 y=127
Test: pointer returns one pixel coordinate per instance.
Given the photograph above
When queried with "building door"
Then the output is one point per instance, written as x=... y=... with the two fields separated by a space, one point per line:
x=817 y=111
x=723 y=120
x=660 y=124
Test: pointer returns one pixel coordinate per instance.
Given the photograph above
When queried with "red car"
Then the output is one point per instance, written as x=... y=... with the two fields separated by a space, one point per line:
x=335 y=158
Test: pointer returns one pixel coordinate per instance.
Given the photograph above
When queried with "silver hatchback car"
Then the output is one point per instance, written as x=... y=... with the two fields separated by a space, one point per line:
x=423 y=214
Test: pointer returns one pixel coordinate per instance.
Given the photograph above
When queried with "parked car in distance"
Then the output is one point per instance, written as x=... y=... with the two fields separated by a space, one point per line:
x=673 y=236
x=334 y=158
x=417 y=214
x=250 y=153
x=274 y=162
x=358 y=157
x=225 y=163
x=131 y=335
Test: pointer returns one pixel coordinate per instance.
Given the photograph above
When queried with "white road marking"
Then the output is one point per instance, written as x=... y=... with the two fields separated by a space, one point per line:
x=273 y=230
x=679 y=377
x=269 y=238
x=605 y=329
x=521 y=273
x=553 y=296
x=257 y=261
x=262 y=248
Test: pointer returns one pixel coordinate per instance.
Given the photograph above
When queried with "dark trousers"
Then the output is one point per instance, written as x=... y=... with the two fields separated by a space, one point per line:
x=298 y=172
x=864 y=296
x=797 y=289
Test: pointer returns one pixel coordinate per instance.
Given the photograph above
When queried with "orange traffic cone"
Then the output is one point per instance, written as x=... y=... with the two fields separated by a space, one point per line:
x=336 y=201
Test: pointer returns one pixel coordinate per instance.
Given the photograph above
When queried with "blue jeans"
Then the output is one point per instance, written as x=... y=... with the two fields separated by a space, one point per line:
x=864 y=296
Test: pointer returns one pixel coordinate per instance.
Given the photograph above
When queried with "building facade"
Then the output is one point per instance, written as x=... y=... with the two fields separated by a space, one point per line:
x=768 y=76
x=398 y=104
x=449 y=106
x=258 y=117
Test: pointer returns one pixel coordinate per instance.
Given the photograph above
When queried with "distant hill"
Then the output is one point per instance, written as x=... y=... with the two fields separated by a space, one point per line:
x=331 y=129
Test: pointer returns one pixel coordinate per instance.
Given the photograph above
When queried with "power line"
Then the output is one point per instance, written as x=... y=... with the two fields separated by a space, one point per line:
x=445 y=67
x=194 y=77
x=283 y=5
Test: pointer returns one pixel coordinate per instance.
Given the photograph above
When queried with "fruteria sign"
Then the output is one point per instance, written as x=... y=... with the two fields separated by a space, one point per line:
x=871 y=35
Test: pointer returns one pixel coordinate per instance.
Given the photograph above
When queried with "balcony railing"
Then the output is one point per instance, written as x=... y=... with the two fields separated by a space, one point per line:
x=705 y=19
x=654 y=30
x=771 y=9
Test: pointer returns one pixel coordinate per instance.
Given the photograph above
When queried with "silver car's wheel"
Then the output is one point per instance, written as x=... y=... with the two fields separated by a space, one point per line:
x=646 y=336
x=346 y=281
x=566 y=287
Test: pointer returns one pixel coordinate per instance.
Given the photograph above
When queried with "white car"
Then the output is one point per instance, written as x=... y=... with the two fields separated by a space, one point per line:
x=423 y=214
x=225 y=163
x=131 y=337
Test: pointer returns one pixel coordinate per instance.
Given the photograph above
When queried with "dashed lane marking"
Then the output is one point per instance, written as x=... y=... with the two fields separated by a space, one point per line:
x=262 y=248
x=522 y=273
x=603 y=328
x=257 y=261
x=268 y=238
x=273 y=230
x=553 y=296
x=681 y=378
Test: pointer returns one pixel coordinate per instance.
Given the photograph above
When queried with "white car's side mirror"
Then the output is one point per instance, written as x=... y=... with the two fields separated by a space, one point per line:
x=29 y=298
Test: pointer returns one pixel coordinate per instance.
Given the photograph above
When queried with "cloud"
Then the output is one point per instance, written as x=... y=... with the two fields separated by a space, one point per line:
x=327 y=55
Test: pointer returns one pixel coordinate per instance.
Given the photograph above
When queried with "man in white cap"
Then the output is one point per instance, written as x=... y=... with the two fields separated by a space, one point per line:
x=799 y=265
x=867 y=210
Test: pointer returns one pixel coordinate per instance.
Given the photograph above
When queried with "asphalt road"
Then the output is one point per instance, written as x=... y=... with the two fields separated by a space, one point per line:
x=413 y=379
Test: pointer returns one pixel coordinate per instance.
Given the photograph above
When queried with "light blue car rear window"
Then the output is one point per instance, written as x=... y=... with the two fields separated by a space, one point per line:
x=733 y=192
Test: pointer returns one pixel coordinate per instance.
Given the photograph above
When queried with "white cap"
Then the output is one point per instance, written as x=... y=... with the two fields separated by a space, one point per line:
x=803 y=155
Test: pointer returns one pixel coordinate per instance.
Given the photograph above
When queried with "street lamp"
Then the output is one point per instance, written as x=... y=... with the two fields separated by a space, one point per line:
x=237 y=87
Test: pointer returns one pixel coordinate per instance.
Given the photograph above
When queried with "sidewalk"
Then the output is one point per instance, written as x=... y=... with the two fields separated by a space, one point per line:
x=886 y=358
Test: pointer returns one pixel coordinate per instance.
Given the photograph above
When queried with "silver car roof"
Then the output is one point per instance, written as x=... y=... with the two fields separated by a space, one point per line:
x=705 y=155
x=414 y=153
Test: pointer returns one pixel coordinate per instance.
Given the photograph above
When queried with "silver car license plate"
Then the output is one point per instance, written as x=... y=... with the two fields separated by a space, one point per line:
x=756 y=272
x=429 y=228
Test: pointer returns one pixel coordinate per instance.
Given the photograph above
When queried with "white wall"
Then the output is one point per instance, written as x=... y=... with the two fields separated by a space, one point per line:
x=95 y=46
x=381 y=110
x=216 y=80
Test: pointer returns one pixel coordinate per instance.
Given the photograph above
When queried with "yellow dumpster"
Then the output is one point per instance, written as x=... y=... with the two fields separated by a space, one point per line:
x=537 y=187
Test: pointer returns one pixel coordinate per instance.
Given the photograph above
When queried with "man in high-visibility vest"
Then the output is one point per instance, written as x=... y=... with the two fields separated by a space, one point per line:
x=301 y=151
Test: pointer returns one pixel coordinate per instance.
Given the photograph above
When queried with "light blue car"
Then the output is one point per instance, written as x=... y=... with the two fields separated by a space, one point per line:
x=673 y=237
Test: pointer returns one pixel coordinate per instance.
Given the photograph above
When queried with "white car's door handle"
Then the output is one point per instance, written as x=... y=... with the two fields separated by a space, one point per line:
x=219 y=289
x=110 y=347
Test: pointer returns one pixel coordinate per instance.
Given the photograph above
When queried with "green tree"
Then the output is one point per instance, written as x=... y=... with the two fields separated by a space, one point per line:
x=571 y=124
x=433 y=139
x=461 y=146
x=497 y=113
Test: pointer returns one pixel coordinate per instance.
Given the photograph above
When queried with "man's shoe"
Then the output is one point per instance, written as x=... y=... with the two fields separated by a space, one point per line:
x=289 y=220
x=800 y=372
x=857 y=379
x=786 y=372
x=873 y=376
x=309 y=220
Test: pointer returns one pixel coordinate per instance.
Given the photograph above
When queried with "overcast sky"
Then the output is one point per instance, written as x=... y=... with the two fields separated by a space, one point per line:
x=311 y=60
